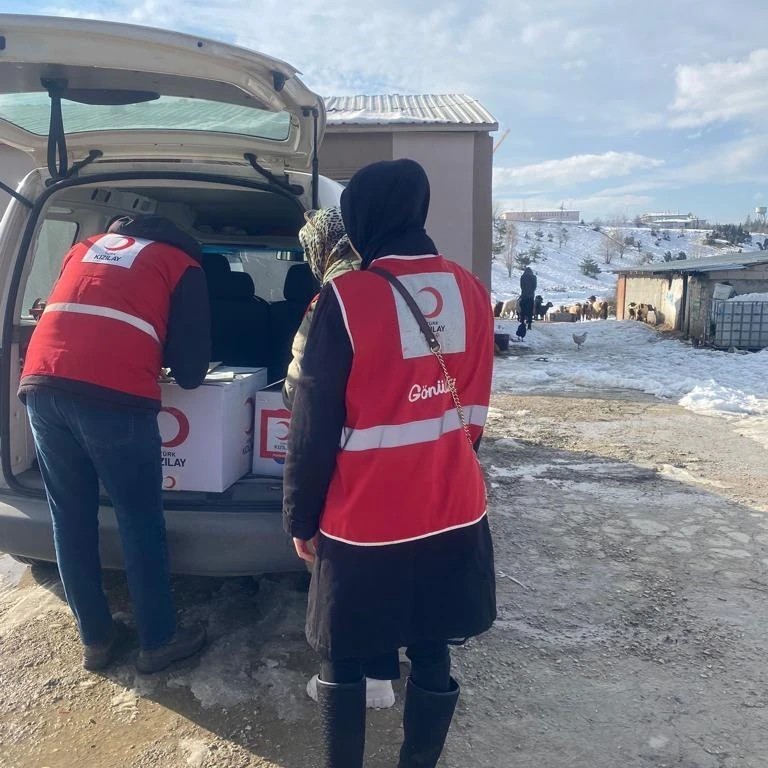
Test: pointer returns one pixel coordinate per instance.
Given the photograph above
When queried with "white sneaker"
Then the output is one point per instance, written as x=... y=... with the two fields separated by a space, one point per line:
x=379 y=694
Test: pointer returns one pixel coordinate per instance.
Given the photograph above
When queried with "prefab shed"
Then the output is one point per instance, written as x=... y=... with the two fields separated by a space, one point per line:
x=685 y=294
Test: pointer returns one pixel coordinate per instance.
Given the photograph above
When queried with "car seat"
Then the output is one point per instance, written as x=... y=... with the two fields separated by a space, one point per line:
x=285 y=316
x=239 y=319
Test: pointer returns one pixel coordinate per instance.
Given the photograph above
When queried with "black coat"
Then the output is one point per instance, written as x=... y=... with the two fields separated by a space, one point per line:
x=527 y=283
x=369 y=601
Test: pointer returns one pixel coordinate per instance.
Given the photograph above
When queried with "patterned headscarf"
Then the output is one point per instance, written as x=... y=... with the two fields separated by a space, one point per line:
x=324 y=240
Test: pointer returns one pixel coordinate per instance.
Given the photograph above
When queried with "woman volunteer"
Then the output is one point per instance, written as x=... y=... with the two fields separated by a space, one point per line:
x=383 y=490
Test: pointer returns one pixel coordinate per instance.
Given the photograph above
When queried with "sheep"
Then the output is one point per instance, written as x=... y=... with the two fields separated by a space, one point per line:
x=641 y=313
x=497 y=307
x=510 y=308
x=575 y=309
x=595 y=310
x=540 y=310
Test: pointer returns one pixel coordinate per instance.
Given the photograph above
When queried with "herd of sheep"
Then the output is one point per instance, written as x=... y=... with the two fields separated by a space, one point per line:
x=590 y=309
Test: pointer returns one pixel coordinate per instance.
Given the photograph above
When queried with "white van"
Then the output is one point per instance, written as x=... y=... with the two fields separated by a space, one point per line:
x=121 y=119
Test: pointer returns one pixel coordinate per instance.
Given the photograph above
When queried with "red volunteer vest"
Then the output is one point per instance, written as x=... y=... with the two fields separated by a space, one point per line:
x=105 y=322
x=405 y=469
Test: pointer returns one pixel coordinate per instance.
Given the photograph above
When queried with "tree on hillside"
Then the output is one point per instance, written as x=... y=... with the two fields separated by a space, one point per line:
x=499 y=230
x=620 y=245
x=589 y=267
x=522 y=260
x=562 y=237
x=510 y=247
x=735 y=234
x=535 y=253
x=618 y=220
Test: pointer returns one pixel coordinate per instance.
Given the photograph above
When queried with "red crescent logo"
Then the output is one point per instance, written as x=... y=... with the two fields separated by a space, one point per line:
x=182 y=432
x=250 y=403
x=438 y=302
x=287 y=426
x=119 y=243
x=169 y=483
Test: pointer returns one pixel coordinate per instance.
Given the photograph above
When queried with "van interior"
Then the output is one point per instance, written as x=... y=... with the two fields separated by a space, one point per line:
x=258 y=281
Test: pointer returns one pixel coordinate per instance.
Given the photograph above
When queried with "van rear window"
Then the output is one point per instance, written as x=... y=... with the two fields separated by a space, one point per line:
x=31 y=112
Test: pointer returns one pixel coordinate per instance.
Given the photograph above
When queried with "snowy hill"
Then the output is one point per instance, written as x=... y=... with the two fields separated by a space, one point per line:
x=559 y=278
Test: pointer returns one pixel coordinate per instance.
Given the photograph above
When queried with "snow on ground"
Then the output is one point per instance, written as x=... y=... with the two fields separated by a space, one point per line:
x=631 y=355
x=559 y=278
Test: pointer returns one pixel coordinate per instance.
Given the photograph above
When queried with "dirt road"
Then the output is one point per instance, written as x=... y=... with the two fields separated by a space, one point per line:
x=632 y=551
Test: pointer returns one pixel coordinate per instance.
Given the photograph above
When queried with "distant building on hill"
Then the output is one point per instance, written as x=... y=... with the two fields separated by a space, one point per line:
x=673 y=220
x=543 y=216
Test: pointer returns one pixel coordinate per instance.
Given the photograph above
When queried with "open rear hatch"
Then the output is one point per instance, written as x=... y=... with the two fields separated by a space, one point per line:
x=75 y=90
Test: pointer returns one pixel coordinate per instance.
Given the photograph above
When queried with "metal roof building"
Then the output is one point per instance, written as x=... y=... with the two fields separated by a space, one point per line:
x=449 y=134
x=733 y=261
x=450 y=111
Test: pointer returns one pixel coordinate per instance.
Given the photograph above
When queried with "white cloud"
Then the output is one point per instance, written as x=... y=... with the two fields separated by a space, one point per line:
x=721 y=91
x=743 y=160
x=576 y=169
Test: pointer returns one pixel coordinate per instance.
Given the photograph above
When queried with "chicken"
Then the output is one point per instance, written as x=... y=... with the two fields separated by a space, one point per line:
x=579 y=339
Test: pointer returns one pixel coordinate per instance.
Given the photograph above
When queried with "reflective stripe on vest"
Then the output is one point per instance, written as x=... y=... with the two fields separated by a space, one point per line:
x=412 y=432
x=113 y=314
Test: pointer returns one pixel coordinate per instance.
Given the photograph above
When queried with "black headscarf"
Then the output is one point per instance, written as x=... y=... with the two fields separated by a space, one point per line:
x=385 y=208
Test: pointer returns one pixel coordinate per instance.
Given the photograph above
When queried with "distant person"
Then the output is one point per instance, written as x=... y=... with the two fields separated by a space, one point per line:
x=126 y=303
x=528 y=283
x=527 y=301
x=383 y=490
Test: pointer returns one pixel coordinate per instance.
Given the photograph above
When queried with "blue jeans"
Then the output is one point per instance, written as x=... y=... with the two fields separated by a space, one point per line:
x=80 y=442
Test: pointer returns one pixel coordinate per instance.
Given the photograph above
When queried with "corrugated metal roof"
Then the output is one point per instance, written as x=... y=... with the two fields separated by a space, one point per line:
x=449 y=109
x=707 y=264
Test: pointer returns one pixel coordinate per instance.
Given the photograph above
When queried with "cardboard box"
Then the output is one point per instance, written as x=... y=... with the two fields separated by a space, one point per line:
x=271 y=425
x=207 y=433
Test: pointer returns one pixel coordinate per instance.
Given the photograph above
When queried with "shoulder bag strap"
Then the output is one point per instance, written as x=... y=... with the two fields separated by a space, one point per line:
x=432 y=343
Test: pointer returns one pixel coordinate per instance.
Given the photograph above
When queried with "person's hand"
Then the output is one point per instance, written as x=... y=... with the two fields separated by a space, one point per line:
x=306 y=549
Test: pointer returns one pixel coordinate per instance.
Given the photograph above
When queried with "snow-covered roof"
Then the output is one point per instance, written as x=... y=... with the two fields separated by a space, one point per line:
x=750 y=297
x=708 y=264
x=447 y=110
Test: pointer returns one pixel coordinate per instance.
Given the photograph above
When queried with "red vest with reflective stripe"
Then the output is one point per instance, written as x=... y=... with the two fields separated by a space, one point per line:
x=105 y=322
x=405 y=469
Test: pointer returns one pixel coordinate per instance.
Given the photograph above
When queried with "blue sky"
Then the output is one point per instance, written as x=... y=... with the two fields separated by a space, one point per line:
x=614 y=106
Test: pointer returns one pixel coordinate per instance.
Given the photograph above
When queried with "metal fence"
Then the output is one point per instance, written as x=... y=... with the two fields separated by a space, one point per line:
x=740 y=324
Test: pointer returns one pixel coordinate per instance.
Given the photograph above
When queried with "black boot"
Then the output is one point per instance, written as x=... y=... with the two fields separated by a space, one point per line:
x=342 y=713
x=426 y=721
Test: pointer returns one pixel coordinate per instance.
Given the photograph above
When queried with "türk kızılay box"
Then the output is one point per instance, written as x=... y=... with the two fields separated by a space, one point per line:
x=207 y=433
x=271 y=424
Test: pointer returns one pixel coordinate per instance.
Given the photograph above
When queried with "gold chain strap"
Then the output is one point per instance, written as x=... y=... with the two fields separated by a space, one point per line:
x=455 y=395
